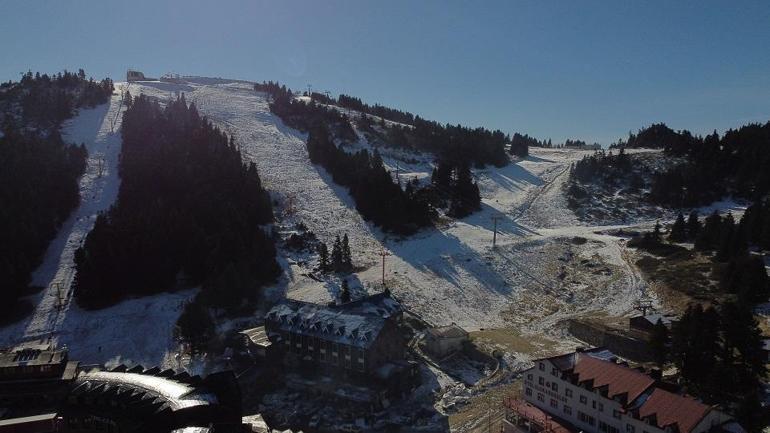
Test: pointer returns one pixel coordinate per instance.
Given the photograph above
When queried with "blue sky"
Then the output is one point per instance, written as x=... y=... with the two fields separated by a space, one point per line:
x=560 y=69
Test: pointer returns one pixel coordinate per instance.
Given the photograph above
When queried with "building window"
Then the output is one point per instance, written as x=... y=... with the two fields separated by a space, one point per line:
x=540 y=398
x=567 y=410
x=555 y=387
x=606 y=428
x=600 y=406
x=529 y=376
x=528 y=391
x=554 y=371
x=630 y=428
x=541 y=381
x=541 y=366
x=586 y=419
x=593 y=404
x=584 y=399
x=568 y=392
x=616 y=414
x=554 y=403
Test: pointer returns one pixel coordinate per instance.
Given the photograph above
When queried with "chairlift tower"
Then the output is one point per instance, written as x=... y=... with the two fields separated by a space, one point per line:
x=643 y=306
x=494 y=230
x=384 y=254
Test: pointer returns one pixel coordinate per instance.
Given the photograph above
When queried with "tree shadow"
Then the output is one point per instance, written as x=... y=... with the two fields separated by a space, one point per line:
x=444 y=255
x=512 y=177
x=533 y=158
x=506 y=225
x=168 y=87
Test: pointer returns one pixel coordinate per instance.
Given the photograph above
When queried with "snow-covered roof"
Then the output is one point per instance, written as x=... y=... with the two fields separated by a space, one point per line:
x=257 y=336
x=163 y=391
x=355 y=323
x=653 y=318
x=381 y=304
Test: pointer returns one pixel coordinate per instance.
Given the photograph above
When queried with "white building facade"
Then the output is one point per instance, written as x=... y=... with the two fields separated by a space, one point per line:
x=599 y=395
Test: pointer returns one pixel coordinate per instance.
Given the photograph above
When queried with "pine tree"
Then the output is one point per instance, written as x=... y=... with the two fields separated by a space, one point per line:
x=695 y=346
x=336 y=262
x=659 y=343
x=708 y=236
x=764 y=237
x=323 y=258
x=345 y=292
x=466 y=197
x=693 y=226
x=678 y=230
x=442 y=174
x=725 y=238
x=654 y=236
x=347 y=261
x=194 y=326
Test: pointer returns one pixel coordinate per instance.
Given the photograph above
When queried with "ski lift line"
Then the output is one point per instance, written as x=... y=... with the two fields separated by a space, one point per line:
x=527 y=274
x=120 y=107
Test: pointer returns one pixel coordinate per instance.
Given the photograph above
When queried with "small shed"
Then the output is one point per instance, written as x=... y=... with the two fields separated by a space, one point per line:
x=444 y=340
x=647 y=322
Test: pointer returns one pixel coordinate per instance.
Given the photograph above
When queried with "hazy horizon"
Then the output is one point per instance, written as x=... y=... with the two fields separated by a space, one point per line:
x=592 y=71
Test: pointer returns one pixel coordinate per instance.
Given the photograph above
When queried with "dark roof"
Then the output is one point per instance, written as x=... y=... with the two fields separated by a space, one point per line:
x=653 y=318
x=381 y=304
x=329 y=324
x=672 y=409
x=567 y=361
x=356 y=323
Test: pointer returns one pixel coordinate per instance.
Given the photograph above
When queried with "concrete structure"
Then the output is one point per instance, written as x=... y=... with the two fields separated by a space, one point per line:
x=590 y=391
x=445 y=340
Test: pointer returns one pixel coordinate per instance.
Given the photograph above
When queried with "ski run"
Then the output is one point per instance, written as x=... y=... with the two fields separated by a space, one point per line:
x=531 y=281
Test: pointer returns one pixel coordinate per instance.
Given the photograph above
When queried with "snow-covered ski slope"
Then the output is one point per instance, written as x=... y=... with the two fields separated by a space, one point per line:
x=133 y=331
x=535 y=277
x=449 y=274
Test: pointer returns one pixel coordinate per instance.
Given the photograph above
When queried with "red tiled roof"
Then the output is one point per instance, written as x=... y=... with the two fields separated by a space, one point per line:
x=620 y=379
x=669 y=408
